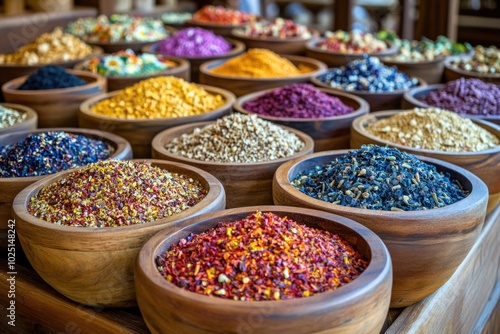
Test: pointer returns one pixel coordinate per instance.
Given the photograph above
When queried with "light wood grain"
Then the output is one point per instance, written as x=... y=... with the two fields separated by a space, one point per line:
x=431 y=71
x=244 y=183
x=358 y=307
x=451 y=73
x=30 y=123
x=425 y=246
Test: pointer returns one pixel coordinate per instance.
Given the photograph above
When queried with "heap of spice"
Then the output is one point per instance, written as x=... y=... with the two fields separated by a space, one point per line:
x=485 y=60
x=51 y=152
x=380 y=178
x=368 y=74
x=433 y=129
x=237 y=138
x=115 y=193
x=299 y=100
x=117 y=28
x=51 y=77
x=127 y=64
x=466 y=97
x=10 y=117
x=159 y=97
x=351 y=42
x=53 y=47
x=194 y=42
x=261 y=257
x=176 y=18
x=222 y=15
x=260 y=63
x=277 y=28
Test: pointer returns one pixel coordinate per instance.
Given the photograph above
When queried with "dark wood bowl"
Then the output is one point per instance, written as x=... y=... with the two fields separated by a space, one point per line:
x=425 y=246
x=195 y=62
x=181 y=70
x=431 y=71
x=358 y=307
x=413 y=99
x=483 y=164
x=452 y=73
x=13 y=185
x=337 y=59
x=245 y=85
x=30 y=123
x=56 y=107
x=217 y=28
x=328 y=133
x=95 y=266
x=244 y=183
x=376 y=100
x=140 y=132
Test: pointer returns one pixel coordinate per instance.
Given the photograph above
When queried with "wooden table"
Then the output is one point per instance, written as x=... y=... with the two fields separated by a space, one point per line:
x=468 y=303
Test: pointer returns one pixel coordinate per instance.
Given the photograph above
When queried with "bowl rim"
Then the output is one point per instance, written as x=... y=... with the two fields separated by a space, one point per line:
x=238 y=33
x=359 y=125
x=391 y=49
x=436 y=61
x=19 y=207
x=32 y=116
x=97 y=81
x=448 y=66
x=86 y=105
x=96 y=50
x=378 y=266
x=157 y=144
x=321 y=67
x=363 y=108
x=202 y=24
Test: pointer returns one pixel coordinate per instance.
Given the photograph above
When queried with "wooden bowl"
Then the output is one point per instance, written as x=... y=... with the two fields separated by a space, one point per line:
x=431 y=71
x=425 y=246
x=452 y=73
x=13 y=185
x=328 y=133
x=358 y=307
x=413 y=99
x=245 y=85
x=217 y=28
x=483 y=164
x=140 y=132
x=376 y=100
x=195 y=62
x=56 y=107
x=94 y=266
x=181 y=70
x=287 y=46
x=30 y=123
x=337 y=59
x=244 y=183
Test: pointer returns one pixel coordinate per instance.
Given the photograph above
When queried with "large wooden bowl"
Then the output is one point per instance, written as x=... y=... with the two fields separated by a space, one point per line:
x=95 y=266
x=56 y=107
x=431 y=71
x=484 y=164
x=328 y=133
x=337 y=59
x=452 y=73
x=217 y=28
x=413 y=99
x=245 y=183
x=376 y=100
x=358 y=307
x=181 y=70
x=245 y=85
x=30 y=123
x=12 y=186
x=195 y=62
x=425 y=246
x=140 y=132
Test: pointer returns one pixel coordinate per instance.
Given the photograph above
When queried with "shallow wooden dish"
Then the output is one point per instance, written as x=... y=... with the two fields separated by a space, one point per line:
x=413 y=99
x=56 y=107
x=328 y=133
x=287 y=46
x=12 y=186
x=483 y=164
x=244 y=183
x=358 y=307
x=29 y=124
x=182 y=70
x=94 y=266
x=337 y=59
x=217 y=28
x=245 y=85
x=376 y=100
x=195 y=62
x=425 y=246
x=140 y=132
x=431 y=71
x=452 y=73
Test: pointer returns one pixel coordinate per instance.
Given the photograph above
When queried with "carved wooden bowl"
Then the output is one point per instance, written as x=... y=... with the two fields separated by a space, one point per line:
x=30 y=123
x=431 y=71
x=453 y=73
